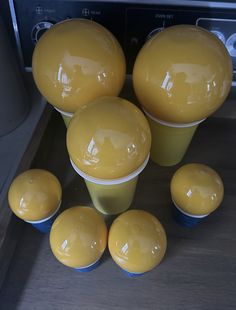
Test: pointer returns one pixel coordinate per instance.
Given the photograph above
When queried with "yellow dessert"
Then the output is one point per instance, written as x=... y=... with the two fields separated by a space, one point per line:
x=76 y=61
x=108 y=138
x=197 y=189
x=137 y=241
x=34 y=195
x=182 y=74
x=78 y=237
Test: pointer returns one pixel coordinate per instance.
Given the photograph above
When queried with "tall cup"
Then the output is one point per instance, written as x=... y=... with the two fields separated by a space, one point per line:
x=112 y=196
x=181 y=76
x=109 y=142
x=170 y=141
x=66 y=116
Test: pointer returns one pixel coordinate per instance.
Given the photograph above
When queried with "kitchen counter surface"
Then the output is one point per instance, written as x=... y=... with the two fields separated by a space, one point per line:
x=198 y=271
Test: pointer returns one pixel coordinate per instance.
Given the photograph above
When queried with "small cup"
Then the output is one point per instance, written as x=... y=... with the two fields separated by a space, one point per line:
x=187 y=219
x=137 y=242
x=170 y=141
x=112 y=196
x=66 y=116
x=35 y=197
x=45 y=225
x=196 y=190
x=78 y=238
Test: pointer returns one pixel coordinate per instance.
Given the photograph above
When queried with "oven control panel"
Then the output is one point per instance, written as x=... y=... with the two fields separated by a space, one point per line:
x=131 y=23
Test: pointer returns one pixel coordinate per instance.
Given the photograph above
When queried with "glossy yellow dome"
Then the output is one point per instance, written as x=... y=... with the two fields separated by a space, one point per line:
x=76 y=61
x=109 y=138
x=182 y=74
x=197 y=189
x=137 y=241
x=34 y=195
x=78 y=237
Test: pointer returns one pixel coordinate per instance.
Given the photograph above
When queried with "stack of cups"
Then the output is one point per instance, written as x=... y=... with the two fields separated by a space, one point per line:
x=196 y=190
x=137 y=242
x=35 y=197
x=108 y=141
x=78 y=238
x=181 y=76
x=76 y=61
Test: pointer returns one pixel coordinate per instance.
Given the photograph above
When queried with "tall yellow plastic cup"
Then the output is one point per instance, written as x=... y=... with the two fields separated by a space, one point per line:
x=181 y=76
x=170 y=141
x=109 y=142
x=112 y=196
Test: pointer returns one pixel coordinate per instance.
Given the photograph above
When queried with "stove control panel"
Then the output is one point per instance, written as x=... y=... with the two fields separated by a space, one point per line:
x=131 y=23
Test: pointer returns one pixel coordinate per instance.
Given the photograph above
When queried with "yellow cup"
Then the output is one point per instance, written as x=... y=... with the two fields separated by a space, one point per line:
x=170 y=141
x=112 y=196
x=66 y=116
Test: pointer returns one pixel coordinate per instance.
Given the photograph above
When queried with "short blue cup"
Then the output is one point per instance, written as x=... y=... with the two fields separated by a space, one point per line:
x=132 y=274
x=186 y=219
x=45 y=225
x=90 y=267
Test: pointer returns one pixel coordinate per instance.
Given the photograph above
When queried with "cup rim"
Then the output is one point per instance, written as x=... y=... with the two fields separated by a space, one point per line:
x=90 y=265
x=175 y=125
x=111 y=181
x=69 y=114
x=188 y=214
x=47 y=218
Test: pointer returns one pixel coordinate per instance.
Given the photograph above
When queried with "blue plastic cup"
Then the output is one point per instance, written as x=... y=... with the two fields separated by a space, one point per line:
x=45 y=225
x=90 y=267
x=186 y=219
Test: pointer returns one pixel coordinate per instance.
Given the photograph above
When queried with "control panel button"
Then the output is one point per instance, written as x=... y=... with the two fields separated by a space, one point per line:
x=231 y=45
x=219 y=35
x=39 y=30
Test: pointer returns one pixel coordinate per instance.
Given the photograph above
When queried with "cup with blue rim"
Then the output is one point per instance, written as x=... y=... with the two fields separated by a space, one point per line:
x=78 y=238
x=137 y=242
x=35 y=197
x=196 y=190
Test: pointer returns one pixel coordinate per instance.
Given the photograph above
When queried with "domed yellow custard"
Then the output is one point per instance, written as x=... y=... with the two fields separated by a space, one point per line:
x=181 y=76
x=78 y=238
x=196 y=190
x=137 y=241
x=76 y=61
x=35 y=196
x=108 y=141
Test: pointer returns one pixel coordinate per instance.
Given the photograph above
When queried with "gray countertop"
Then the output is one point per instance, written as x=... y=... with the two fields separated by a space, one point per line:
x=198 y=271
x=17 y=150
